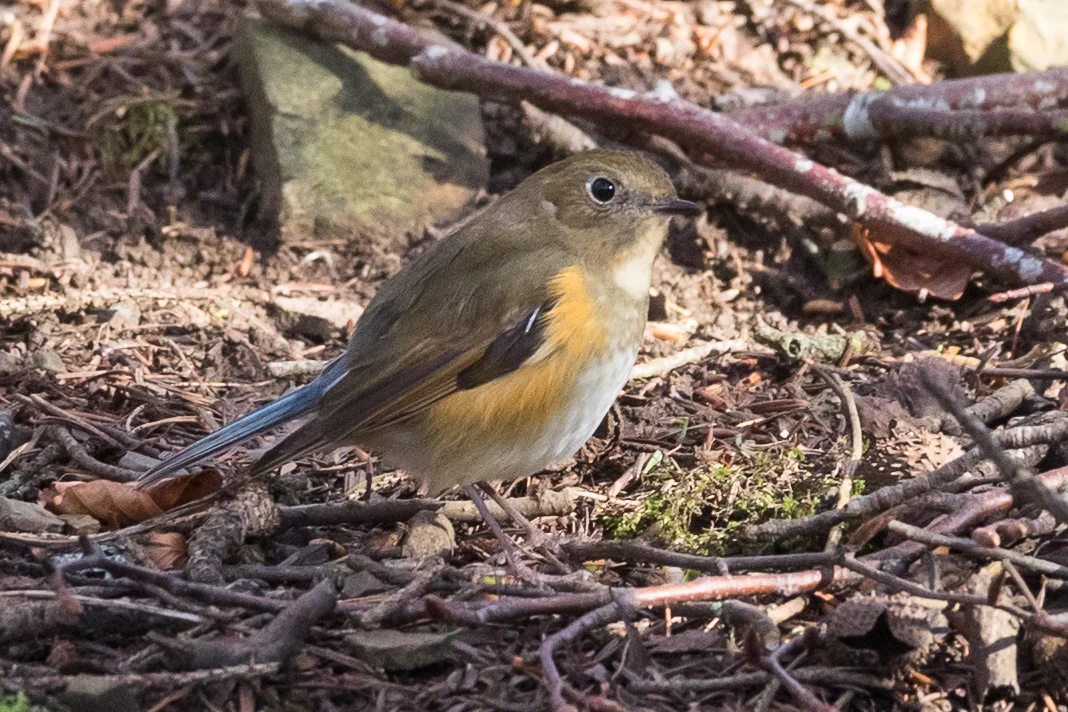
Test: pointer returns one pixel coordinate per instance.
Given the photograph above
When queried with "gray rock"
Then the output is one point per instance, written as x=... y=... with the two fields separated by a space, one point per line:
x=362 y=583
x=350 y=147
x=47 y=360
x=19 y=516
x=1039 y=39
x=315 y=318
x=969 y=35
x=92 y=693
x=124 y=315
x=986 y=36
x=397 y=650
x=10 y=363
x=429 y=534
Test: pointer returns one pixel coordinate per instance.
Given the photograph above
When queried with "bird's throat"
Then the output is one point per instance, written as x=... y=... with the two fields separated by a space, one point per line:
x=632 y=270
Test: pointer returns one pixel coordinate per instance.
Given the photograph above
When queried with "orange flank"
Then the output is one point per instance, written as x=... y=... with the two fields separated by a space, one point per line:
x=520 y=404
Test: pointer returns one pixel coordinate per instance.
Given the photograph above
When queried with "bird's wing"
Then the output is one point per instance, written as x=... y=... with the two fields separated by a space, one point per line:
x=437 y=332
x=382 y=395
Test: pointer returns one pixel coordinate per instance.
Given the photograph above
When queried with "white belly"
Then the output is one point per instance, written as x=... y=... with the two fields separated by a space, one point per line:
x=584 y=410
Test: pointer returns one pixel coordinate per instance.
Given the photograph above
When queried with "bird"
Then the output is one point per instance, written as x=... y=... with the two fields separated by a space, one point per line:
x=499 y=349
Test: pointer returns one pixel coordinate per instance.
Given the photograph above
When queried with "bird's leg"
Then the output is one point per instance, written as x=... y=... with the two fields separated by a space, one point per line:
x=537 y=538
x=511 y=554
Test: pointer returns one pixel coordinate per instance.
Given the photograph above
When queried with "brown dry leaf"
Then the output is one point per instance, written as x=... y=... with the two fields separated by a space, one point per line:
x=166 y=550
x=911 y=270
x=114 y=503
x=182 y=490
x=119 y=504
x=244 y=266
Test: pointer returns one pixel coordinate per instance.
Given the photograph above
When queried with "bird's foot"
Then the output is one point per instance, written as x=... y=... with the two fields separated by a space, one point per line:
x=515 y=564
x=548 y=546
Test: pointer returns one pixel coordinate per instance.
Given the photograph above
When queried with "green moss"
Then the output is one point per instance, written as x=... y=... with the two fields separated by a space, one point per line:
x=701 y=509
x=131 y=129
x=17 y=703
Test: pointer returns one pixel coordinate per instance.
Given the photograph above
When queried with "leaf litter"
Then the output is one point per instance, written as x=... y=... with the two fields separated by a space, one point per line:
x=127 y=183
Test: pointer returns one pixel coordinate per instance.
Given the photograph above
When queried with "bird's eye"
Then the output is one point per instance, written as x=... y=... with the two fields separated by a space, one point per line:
x=601 y=190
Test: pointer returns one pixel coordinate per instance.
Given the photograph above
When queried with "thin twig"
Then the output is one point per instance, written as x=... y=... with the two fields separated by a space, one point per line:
x=1021 y=481
x=665 y=364
x=154 y=680
x=80 y=456
x=856 y=452
x=1025 y=230
x=968 y=546
x=398 y=600
x=501 y=28
x=142 y=609
x=599 y=616
x=801 y=693
x=812 y=675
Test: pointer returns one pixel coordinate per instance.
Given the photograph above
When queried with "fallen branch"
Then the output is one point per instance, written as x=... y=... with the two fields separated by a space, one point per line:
x=214 y=595
x=856 y=117
x=1025 y=230
x=978 y=508
x=276 y=642
x=970 y=547
x=1021 y=480
x=706 y=588
x=1009 y=531
x=813 y=675
x=150 y=680
x=548 y=503
x=81 y=457
x=638 y=552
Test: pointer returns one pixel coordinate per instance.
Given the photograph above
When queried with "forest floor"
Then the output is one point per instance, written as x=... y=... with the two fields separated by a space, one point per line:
x=143 y=305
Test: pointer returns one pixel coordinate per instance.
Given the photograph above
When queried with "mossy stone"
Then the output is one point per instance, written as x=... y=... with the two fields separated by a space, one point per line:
x=349 y=147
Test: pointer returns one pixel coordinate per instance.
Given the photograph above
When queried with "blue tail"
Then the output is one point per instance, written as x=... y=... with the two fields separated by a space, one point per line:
x=290 y=406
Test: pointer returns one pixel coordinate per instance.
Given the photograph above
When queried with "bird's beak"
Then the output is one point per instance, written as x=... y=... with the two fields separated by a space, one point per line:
x=676 y=206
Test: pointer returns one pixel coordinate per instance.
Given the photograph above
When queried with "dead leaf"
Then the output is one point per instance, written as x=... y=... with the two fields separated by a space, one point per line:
x=120 y=504
x=182 y=490
x=912 y=270
x=114 y=503
x=884 y=631
x=879 y=415
x=244 y=266
x=166 y=550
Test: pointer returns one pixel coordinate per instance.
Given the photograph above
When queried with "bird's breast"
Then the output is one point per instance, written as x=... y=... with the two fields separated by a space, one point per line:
x=561 y=393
